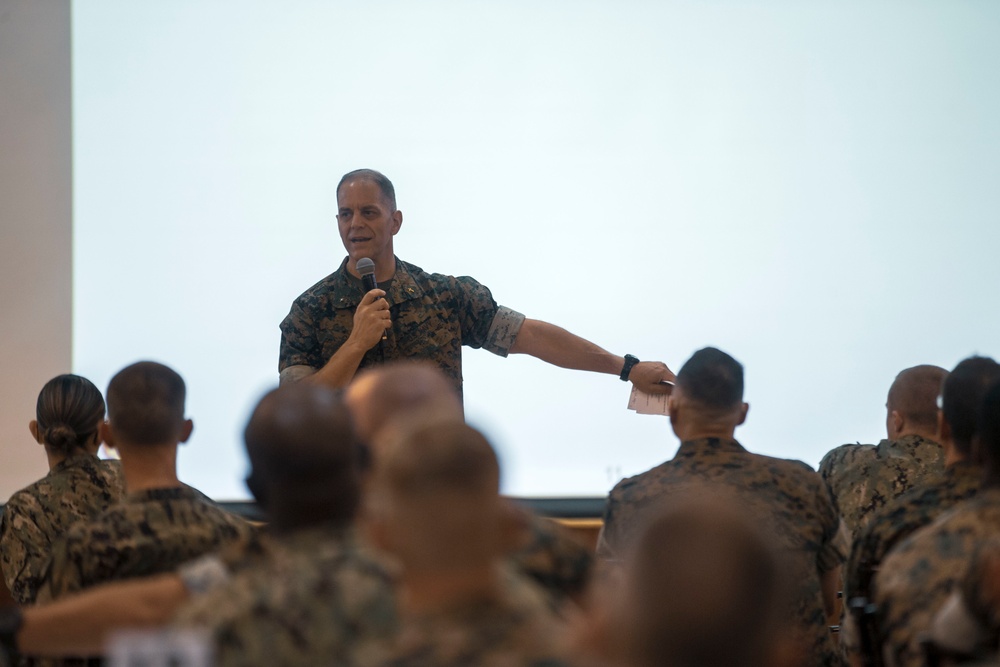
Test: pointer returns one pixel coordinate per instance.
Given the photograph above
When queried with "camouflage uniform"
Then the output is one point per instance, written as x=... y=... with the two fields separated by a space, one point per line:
x=554 y=560
x=788 y=497
x=919 y=574
x=34 y=517
x=863 y=478
x=433 y=316
x=151 y=531
x=515 y=628
x=312 y=597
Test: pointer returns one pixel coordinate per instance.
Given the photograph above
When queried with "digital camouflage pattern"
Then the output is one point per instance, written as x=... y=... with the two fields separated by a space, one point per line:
x=518 y=627
x=787 y=499
x=919 y=574
x=903 y=516
x=312 y=597
x=433 y=316
x=149 y=532
x=35 y=517
x=554 y=560
x=863 y=478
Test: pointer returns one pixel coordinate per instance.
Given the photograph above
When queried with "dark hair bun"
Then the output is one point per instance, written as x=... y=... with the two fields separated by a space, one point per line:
x=61 y=438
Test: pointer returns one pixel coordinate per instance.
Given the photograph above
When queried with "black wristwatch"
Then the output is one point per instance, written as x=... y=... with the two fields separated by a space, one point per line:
x=630 y=361
x=11 y=620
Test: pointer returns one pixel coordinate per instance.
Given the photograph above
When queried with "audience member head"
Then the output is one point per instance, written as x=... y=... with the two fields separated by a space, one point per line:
x=306 y=461
x=146 y=406
x=68 y=416
x=436 y=502
x=378 y=178
x=961 y=400
x=911 y=408
x=987 y=436
x=701 y=587
x=708 y=398
x=397 y=393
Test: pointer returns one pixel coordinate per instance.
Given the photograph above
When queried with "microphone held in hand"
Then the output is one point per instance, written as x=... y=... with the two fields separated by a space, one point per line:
x=366 y=267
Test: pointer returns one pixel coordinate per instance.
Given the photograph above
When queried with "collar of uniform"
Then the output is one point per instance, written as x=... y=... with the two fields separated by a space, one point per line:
x=73 y=461
x=964 y=470
x=907 y=446
x=173 y=493
x=346 y=291
x=689 y=447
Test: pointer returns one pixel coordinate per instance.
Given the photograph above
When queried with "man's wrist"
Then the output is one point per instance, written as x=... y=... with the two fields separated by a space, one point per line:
x=630 y=362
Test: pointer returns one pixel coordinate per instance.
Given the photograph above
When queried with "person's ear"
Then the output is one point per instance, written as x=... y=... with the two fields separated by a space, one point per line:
x=397 y=221
x=108 y=434
x=33 y=427
x=744 y=409
x=897 y=422
x=186 y=428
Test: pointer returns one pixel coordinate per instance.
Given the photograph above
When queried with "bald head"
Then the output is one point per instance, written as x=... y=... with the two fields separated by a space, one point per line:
x=304 y=454
x=703 y=588
x=913 y=397
x=399 y=392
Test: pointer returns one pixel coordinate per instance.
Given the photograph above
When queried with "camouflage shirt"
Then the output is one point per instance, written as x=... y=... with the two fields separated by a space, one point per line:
x=788 y=497
x=151 y=531
x=919 y=574
x=433 y=316
x=34 y=517
x=863 y=478
x=516 y=627
x=312 y=597
x=556 y=561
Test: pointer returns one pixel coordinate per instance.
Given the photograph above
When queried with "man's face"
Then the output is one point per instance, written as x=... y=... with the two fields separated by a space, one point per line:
x=366 y=222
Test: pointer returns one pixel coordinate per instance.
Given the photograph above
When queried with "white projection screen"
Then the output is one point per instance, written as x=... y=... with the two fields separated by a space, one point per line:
x=810 y=186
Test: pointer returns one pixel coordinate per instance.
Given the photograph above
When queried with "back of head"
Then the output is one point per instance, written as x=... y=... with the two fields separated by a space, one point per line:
x=399 y=392
x=305 y=457
x=69 y=411
x=438 y=487
x=962 y=397
x=712 y=379
x=378 y=178
x=702 y=588
x=988 y=433
x=146 y=404
x=914 y=393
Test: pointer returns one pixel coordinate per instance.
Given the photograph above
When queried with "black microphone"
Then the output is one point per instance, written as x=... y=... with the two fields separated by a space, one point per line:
x=366 y=267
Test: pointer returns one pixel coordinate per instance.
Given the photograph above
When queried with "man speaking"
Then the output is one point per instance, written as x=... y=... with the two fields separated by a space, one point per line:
x=339 y=325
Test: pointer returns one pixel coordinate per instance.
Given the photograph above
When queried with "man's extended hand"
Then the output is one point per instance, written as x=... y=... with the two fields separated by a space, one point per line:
x=646 y=376
x=371 y=319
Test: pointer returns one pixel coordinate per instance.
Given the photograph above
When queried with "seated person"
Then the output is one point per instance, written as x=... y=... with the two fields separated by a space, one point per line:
x=68 y=417
x=436 y=507
x=161 y=523
x=863 y=478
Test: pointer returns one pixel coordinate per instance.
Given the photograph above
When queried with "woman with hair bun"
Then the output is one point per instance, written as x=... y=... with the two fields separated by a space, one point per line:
x=68 y=417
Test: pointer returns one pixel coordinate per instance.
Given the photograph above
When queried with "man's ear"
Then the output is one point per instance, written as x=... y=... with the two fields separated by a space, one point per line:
x=397 y=221
x=186 y=430
x=897 y=421
x=744 y=409
x=33 y=427
x=107 y=434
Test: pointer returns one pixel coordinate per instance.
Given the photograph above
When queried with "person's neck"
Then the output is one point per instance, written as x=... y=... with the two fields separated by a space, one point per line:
x=149 y=466
x=429 y=590
x=385 y=267
x=926 y=435
x=699 y=431
x=55 y=458
x=952 y=454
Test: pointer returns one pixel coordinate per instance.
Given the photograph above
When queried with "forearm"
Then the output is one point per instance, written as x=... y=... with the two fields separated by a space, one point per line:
x=561 y=348
x=342 y=366
x=81 y=624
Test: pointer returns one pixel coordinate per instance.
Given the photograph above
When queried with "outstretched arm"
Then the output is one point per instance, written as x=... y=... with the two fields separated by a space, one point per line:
x=561 y=348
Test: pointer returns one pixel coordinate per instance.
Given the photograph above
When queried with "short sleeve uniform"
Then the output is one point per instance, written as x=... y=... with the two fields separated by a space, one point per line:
x=433 y=316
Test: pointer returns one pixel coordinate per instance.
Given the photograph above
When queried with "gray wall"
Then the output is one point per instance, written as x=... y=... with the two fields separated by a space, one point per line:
x=36 y=300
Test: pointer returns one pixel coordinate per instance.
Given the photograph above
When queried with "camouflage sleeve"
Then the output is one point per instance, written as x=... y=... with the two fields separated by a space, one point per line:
x=836 y=537
x=23 y=547
x=475 y=311
x=503 y=331
x=63 y=572
x=299 y=346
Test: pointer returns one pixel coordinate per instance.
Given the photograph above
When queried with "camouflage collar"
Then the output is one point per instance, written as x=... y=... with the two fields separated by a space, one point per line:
x=717 y=444
x=173 y=493
x=346 y=291
x=964 y=470
x=907 y=446
x=74 y=460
